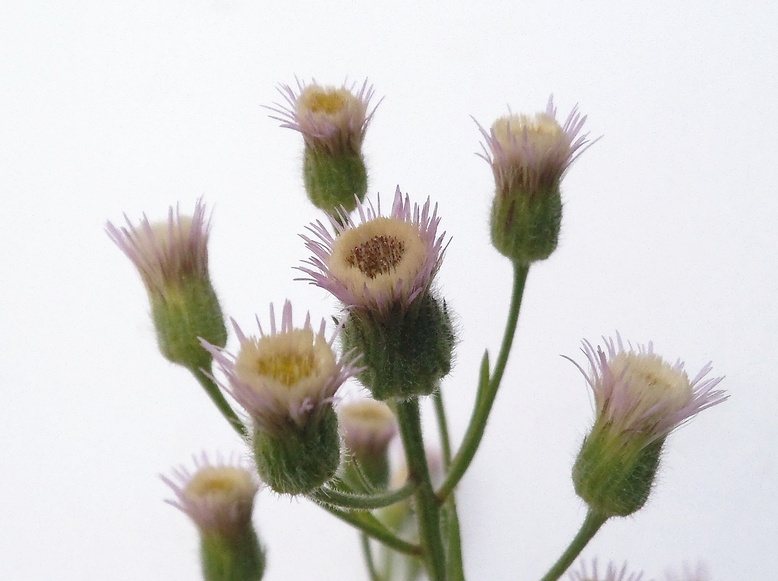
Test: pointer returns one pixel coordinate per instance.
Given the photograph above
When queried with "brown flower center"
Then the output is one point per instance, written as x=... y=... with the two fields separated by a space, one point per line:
x=379 y=255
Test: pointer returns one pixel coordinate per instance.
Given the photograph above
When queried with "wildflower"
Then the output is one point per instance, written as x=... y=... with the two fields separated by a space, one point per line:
x=368 y=426
x=612 y=573
x=172 y=259
x=529 y=156
x=382 y=269
x=639 y=399
x=219 y=498
x=286 y=381
x=333 y=122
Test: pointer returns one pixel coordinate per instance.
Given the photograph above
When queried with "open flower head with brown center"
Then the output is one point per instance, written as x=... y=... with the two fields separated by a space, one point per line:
x=285 y=376
x=637 y=392
x=334 y=119
x=218 y=497
x=377 y=262
x=532 y=153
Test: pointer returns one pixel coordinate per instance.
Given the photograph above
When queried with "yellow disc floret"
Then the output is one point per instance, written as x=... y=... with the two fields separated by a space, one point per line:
x=542 y=132
x=290 y=366
x=327 y=101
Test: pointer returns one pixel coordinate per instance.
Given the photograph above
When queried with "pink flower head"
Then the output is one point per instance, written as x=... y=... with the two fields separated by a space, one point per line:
x=612 y=573
x=329 y=118
x=284 y=377
x=637 y=392
x=531 y=154
x=218 y=497
x=166 y=253
x=379 y=262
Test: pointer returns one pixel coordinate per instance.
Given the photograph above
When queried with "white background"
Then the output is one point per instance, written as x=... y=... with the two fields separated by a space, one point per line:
x=669 y=234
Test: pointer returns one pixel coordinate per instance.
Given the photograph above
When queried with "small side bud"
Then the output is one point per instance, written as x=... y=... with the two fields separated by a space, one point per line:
x=172 y=259
x=333 y=122
x=286 y=381
x=529 y=156
x=219 y=499
x=367 y=426
x=639 y=399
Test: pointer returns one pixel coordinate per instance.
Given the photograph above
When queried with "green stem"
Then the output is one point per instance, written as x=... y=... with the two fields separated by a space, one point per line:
x=369 y=562
x=427 y=509
x=372 y=527
x=455 y=567
x=220 y=402
x=348 y=500
x=487 y=390
x=592 y=523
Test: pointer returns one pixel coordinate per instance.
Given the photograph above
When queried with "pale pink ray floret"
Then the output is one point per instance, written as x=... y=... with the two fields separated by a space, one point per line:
x=533 y=153
x=166 y=253
x=637 y=392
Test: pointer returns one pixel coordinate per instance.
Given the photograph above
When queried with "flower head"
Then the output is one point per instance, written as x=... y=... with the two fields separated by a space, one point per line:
x=612 y=573
x=285 y=376
x=637 y=392
x=218 y=497
x=639 y=399
x=529 y=156
x=368 y=426
x=533 y=153
x=172 y=259
x=166 y=253
x=334 y=119
x=380 y=262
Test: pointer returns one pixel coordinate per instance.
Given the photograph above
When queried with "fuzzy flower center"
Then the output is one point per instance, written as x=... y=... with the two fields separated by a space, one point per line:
x=315 y=99
x=289 y=366
x=377 y=255
x=541 y=132
x=286 y=368
x=220 y=483
x=652 y=381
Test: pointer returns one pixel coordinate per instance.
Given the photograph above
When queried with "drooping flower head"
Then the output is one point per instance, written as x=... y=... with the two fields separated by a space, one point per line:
x=166 y=253
x=529 y=156
x=284 y=376
x=612 y=573
x=172 y=259
x=217 y=496
x=639 y=393
x=333 y=122
x=639 y=399
x=329 y=118
x=378 y=262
